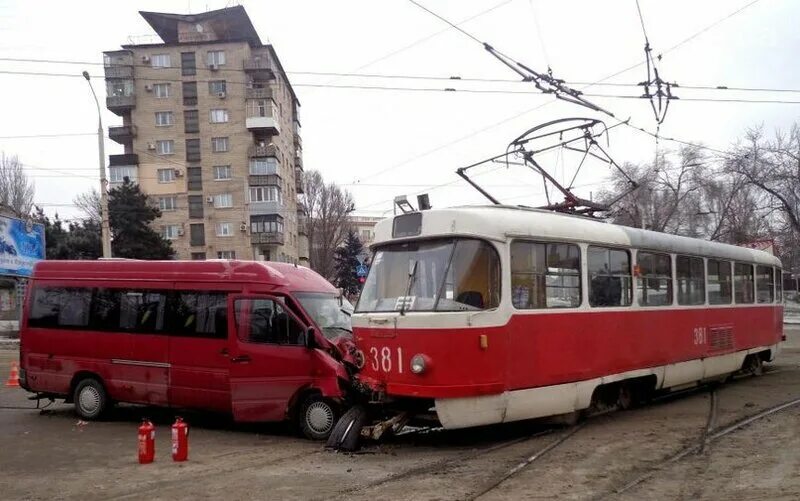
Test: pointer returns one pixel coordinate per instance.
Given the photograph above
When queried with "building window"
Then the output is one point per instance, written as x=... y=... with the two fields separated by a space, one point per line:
x=266 y=194
x=165 y=147
x=219 y=144
x=161 y=90
x=227 y=254
x=217 y=87
x=119 y=173
x=167 y=203
x=189 y=93
x=218 y=116
x=765 y=284
x=262 y=108
x=224 y=229
x=188 y=64
x=166 y=175
x=266 y=224
x=171 y=231
x=365 y=235
x=691 y=283
x=160 y=61
x=164 y=118
x=545 y=275
x=719 y=282
x=191 y=121
x=198 y=256
x=216 y=57
x=610 y=282
x=192 y=150
x=194 y=178
x=655 y=279
x=263 y=166
x=222 y=172
x=195 y=206
x=197 y=234
x=223 y=200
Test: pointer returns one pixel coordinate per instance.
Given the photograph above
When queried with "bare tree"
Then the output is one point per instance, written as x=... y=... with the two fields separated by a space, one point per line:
x=327 y=206
x=16 y=190
x=89 y=204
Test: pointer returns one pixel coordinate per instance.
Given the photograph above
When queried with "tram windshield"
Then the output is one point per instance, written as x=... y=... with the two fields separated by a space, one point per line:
x=434 y=275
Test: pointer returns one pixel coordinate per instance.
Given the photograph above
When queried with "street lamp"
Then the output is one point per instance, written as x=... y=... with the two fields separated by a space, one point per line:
x=105 y=232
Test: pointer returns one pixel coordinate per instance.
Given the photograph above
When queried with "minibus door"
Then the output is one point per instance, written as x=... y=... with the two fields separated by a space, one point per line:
x=269 y=360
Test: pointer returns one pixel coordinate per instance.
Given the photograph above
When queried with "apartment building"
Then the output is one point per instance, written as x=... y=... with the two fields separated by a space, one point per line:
x=211 y=132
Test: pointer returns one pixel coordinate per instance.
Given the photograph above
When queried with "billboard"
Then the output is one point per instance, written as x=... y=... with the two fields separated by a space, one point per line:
x=21 y=246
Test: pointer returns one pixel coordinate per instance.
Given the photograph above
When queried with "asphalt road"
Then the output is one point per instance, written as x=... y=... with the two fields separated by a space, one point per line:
x=52 y=455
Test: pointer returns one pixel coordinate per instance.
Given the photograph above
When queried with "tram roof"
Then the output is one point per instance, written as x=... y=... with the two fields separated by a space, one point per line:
x=500 y=222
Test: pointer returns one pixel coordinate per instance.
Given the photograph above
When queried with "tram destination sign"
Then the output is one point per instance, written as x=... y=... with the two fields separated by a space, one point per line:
x=21 y=246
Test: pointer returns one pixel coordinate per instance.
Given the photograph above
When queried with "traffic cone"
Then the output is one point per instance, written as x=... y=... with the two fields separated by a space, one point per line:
x=13 y=377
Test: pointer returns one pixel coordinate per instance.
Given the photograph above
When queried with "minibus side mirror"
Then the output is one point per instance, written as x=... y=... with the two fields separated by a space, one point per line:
x=311 y=341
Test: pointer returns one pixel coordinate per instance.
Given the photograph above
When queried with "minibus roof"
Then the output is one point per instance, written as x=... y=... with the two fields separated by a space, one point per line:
x=294 y=278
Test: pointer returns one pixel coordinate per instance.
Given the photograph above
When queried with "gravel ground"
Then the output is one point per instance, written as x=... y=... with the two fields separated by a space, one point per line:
x=52 y=455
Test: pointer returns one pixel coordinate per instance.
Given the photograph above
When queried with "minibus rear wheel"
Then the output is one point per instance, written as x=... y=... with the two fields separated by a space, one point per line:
x=90 y=399
x=317 y=417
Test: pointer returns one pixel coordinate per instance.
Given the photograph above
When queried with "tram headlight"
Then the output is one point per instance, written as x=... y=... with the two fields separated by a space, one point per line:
x=419 y=363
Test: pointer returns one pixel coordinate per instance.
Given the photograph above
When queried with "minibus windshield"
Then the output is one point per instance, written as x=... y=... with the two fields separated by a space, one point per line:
x=460 y=274
x=329 y=311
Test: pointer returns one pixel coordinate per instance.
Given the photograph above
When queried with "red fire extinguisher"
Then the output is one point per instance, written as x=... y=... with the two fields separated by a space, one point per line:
x=147 y=442
x=180 y=440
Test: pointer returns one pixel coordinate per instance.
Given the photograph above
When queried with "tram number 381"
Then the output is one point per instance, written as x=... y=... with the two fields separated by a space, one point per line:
x=384 y=360
x=700 y=335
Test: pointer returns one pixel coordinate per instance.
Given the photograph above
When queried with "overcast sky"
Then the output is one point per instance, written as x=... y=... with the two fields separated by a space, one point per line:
x=382 y=143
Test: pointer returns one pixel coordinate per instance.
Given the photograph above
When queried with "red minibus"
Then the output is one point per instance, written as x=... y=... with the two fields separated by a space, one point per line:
x=260 y=340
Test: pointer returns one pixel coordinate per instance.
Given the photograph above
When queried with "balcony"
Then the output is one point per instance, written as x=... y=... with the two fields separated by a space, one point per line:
x=262 y=93
x=259 y=66
x=264 y=180
x=124 y=159
x=120 y=104
x=265 y=208
x=263 y=116
x=118 y=64
x=263 y=123
x=302 y=225
x=266 y=238
x=298 y=162
x=123 y=134
x=263 y=150
x=298 y=180
x=298 y=143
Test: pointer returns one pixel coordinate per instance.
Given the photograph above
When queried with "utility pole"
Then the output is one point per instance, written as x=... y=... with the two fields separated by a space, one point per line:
x=105 y=231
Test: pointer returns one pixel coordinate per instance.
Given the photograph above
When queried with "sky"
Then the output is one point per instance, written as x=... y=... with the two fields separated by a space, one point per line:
x=379 y=143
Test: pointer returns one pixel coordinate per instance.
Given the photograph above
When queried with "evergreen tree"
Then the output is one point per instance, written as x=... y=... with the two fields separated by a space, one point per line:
x=130 y=215
x=346 y=261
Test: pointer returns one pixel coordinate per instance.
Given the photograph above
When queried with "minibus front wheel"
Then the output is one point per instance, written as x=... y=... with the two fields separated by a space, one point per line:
x=90 y=398
x=317 y=417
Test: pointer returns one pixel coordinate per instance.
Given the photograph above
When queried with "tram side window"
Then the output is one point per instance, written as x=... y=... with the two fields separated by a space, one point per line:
x=655 y=279
x=778 y=285
x=719 y=282
x=765 y=284
x=200 y=314
x=60 y=307
x=691 y=278
x=545 y=275
x=743 y=283
x=609 y=277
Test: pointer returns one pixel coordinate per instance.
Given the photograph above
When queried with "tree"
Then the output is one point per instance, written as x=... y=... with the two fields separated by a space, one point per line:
x=81 y=240
x=346 y=262
x=89 y=204
x=327 y=206
x=130 y=215
x=16 y=190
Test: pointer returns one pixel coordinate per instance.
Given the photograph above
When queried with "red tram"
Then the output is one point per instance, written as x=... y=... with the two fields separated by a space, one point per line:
x=481 y=315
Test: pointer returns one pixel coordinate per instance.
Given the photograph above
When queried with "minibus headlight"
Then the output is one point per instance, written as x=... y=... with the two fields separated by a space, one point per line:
x=419 y=363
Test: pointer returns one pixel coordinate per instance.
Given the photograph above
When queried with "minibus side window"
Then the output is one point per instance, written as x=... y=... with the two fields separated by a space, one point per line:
x=266 y=321
x=200 y=314
x=765 y=284
x=60 y=307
